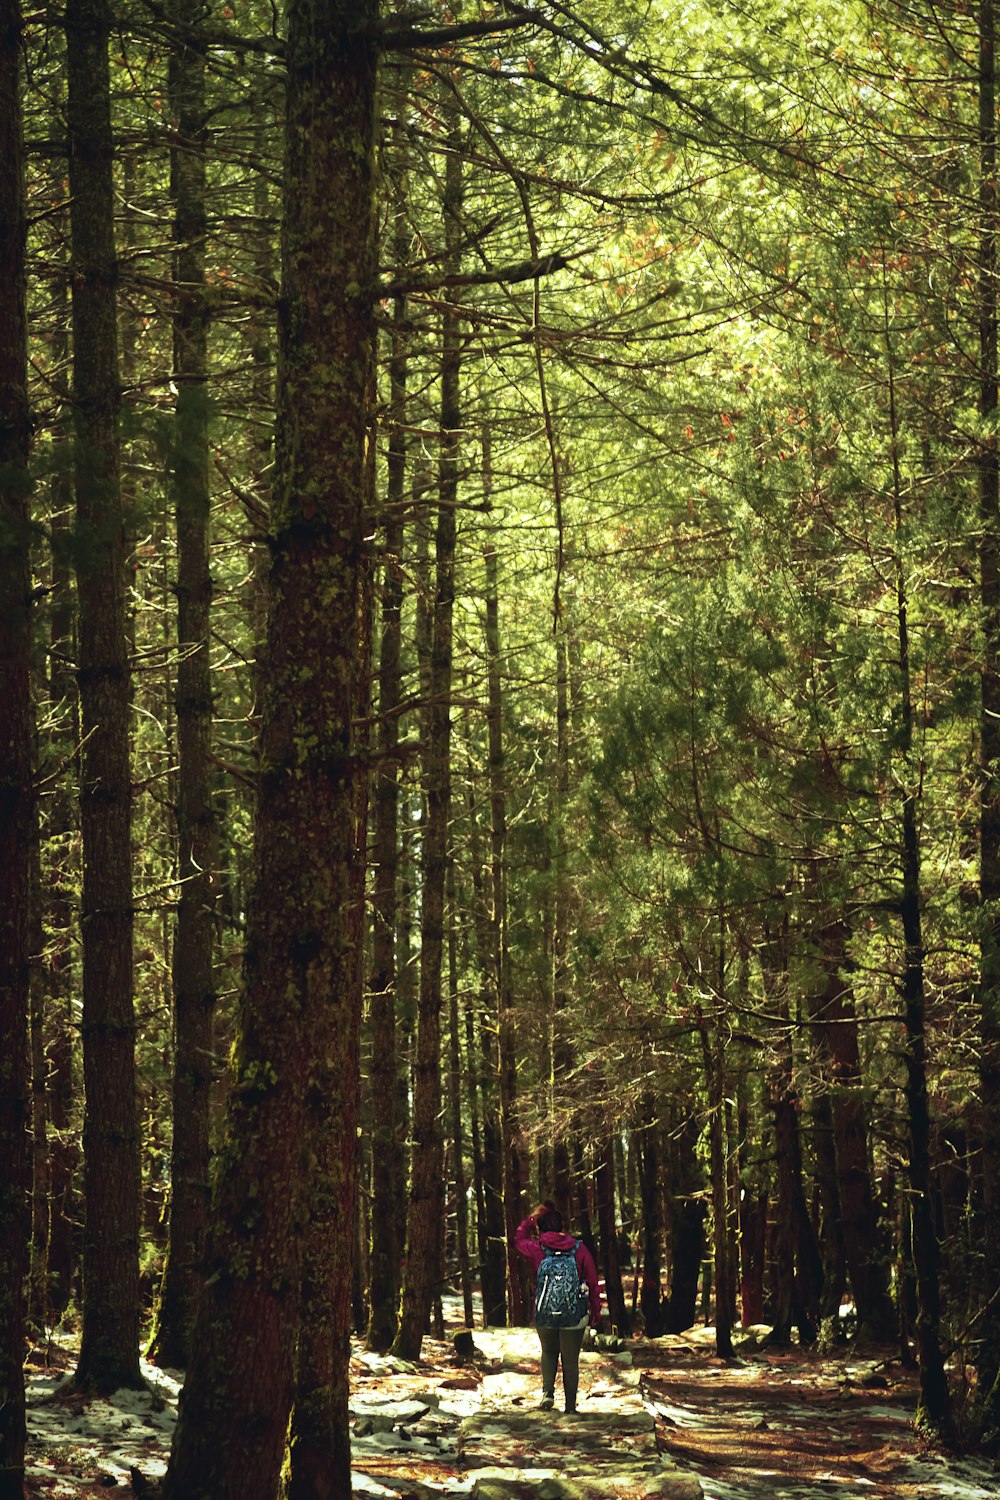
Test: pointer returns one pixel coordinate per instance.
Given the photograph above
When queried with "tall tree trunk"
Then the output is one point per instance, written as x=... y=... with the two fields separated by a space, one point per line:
x=16 y=791
x=455 y=1104
x=753 y=1250
x=37 y=1298
x=423 y=1226
x=933 y=1407
x=651 y=1293
x=798 y=1269
x=109 y=1348
x=406 y=1005
x=60 y=873
x=476 y=1142
x=319 y=1441
x=988 y=1227
x=867 y=1263
x=506 y=1020
x=262 y=343
x=297 y=1044
x=510 y=1142
x=562 y=1054
x=492 y=1225
x=613 y=1290
x=62 y=1251
x=193 y=980
x=686 y=1207
x=387 y=1184
x=714 y=1060
x=829 y=1238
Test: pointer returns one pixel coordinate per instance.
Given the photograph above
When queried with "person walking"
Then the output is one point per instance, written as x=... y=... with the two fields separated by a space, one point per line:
x=567 y=1298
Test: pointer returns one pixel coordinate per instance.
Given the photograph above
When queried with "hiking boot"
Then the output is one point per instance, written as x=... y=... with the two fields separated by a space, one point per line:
x=547 y=1402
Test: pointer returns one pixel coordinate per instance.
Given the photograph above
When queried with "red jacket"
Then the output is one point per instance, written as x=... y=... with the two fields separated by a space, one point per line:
x=533 y=1248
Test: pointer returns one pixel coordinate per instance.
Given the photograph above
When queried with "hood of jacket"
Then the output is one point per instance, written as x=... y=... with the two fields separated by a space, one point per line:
x=555 y=1240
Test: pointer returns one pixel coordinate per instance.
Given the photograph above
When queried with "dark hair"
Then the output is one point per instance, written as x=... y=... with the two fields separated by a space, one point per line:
x=551 y=1222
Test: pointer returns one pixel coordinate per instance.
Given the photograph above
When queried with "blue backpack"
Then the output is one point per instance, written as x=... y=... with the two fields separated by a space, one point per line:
x=560 y=1300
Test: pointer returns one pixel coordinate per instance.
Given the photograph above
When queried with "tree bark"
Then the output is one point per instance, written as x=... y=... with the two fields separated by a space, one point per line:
x=562 y=1054
x=60 y=872
x=798 y=1269
x=455 y=1105
x=54 y=1149
x=109 y=1348
x=613 y=1290
x=867 y=1263
x=423 y=1227
x=651 y=1293
x=387 y=1183
x=492 y=1224
x=476 y=1143
x=193 y=978
x=510 y=1142
x=319 y=1440
x=17 y=809
x=714 y=1061
x=829 y=1238
x=686 y=1207
x=933 y=1407
x=296 y=1050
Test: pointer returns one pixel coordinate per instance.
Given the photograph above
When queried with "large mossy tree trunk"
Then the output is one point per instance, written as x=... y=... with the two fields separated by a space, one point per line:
x=319 y=1441
x=109 y=1348
x=424 y=1215
x=193 y=981
x=296 y=1048
x=16 y=792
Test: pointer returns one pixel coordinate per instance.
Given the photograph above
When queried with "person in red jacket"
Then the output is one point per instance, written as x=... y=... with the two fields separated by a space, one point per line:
x=541 y=1232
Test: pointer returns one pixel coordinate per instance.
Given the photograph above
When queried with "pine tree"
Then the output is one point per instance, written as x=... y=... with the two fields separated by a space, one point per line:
x=16 y=789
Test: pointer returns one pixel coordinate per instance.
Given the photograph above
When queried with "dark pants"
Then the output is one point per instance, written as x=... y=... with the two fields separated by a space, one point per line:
x=566 y=1342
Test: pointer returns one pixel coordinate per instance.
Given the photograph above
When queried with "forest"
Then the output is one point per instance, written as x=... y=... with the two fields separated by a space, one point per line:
x=499 y=691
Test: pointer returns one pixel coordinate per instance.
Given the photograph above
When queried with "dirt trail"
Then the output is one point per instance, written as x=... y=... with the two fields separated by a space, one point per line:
x=607 y=1451
x=661 y=1418
x=795 y=1426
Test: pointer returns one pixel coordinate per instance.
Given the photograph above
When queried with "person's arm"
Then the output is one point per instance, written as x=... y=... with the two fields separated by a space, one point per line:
x=526 y=1236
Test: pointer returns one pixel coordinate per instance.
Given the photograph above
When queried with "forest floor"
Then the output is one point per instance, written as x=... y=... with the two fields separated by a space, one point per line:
x=661 y=1418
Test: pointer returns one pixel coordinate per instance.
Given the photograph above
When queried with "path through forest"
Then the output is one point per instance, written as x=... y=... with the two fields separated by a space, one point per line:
x=659 y=1418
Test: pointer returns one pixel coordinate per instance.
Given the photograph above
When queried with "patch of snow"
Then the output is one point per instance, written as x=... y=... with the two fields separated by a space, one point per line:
x=886 y=1413
x=459 y=1403
x=385 y=1364
x=681 y=1416
x=363 y=1484
x=962 y=1481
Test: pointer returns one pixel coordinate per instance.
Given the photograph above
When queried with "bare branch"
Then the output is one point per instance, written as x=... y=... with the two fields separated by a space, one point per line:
x=523 y=270
x=414 y=38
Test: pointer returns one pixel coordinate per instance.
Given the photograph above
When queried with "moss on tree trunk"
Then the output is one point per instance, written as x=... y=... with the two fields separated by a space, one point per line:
x=296 y=1050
